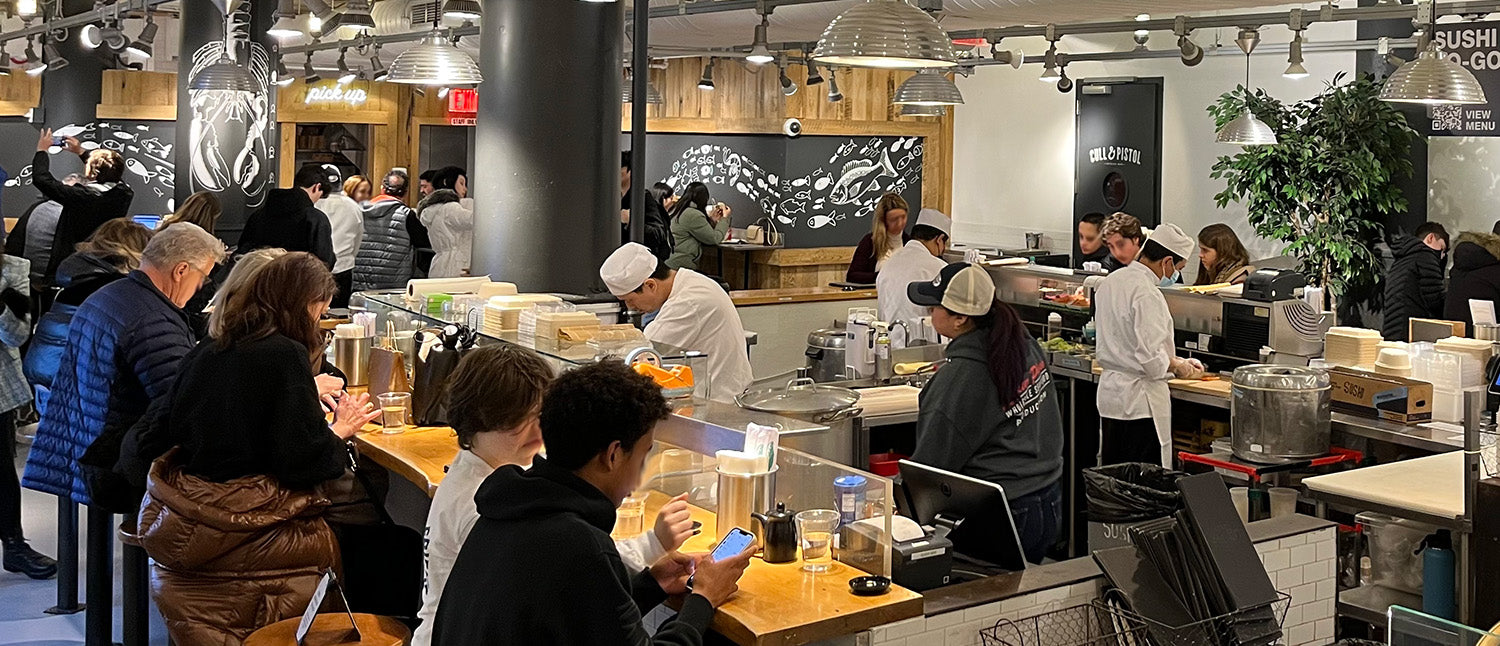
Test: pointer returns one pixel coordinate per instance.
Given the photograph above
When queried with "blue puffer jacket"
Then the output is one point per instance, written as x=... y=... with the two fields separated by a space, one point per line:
x=123 y=348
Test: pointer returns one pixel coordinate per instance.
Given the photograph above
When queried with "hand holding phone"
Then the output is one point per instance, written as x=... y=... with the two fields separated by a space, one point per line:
x=717 y=575
x=736 y=541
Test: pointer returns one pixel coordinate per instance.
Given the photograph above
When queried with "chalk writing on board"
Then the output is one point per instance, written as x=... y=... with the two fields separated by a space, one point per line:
x=845 y=188
x=148 y=159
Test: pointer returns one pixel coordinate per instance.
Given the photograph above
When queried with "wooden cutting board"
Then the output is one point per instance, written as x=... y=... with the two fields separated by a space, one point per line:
x=889 y=400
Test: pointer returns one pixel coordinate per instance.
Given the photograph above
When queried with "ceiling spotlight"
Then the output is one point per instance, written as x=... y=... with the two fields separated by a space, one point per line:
x=834 y=95
x=814 y=76
x=1141 y=37
x=321 y=13
x=787 y=86
x=4 y=63
x=378 y=71
x=309 y=75
x=1013 y=57
x=1142 y=17
x=1294 y=69
x=1064 y=84
x=1192 y=54
x=888 y=34
x=760 y=53
x=286 y=25
x=1050 y=73
x=465 y=10
x=26 y=8
x=443 y=93
x=707 y=81
x=283 y=77
x=141 y=47
x=34 y=65
x=55 y=61
x=345 y=76
x=90 y=37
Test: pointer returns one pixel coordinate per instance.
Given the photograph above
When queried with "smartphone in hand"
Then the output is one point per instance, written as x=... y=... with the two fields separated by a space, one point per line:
x=733 y=544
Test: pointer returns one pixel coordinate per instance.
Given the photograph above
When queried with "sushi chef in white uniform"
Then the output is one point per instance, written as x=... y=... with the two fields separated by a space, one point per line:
x=692 y=312
x=1138 y=354
x=921 y=260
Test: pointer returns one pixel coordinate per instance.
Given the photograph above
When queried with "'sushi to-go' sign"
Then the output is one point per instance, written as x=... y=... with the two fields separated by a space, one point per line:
x=1475 y=46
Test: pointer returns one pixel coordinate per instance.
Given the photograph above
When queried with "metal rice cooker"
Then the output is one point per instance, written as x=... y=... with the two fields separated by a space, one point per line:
x=1280 y=414
x=825 y=355
x=831 y=406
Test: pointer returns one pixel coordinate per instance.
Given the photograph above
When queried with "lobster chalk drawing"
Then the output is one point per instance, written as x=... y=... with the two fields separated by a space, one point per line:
x=229 y=139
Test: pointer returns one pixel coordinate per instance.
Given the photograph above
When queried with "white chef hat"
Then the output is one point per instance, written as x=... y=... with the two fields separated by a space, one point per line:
x=626 y=269
x=1171 y=237
x=935 y=219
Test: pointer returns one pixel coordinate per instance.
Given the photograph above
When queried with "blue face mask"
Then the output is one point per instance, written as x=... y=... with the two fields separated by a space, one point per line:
x=1170 y=281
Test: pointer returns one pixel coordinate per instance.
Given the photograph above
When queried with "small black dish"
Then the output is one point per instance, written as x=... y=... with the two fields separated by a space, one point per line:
x=869 y=586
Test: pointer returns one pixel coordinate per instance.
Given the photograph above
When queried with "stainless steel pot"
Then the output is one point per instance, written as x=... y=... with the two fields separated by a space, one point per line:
x=825 y=355
x=832 y=406
x=1279 y=414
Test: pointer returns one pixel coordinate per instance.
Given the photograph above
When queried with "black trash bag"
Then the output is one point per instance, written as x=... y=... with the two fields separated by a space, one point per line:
x=1131 y=492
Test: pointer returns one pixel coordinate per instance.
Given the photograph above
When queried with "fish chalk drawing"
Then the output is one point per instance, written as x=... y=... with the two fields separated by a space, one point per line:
x=850 y=187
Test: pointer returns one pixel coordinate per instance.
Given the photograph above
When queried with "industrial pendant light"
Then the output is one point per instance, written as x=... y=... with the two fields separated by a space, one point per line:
x=465 y=10
x=1246 y=129
x=1431 y=79
x=435 y=61
x=760 y=53
x=225 y=76
x=916 y=110
x=355 y=18
x=928 y=87
x=286 y=24
x=886 y=34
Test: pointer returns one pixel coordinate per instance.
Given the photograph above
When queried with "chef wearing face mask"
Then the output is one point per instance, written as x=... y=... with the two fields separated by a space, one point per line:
x=1137 y=352
x=692 y=312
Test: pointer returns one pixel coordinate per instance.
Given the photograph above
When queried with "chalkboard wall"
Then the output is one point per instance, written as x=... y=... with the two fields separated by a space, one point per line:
x=146 y=145
x=821 y=190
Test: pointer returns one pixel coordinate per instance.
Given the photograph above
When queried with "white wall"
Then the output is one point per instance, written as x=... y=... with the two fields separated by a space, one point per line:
x=1014 y=136
x=1462 y=182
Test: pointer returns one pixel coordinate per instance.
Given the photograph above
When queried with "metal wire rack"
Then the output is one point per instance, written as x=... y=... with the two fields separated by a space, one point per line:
x=1086 y=625
x=1253 y=626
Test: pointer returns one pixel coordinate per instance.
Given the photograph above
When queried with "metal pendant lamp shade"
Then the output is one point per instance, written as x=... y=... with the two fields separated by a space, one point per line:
x=1246 y=130
x=462 y=9
x=928 y=87
x=887 y=34
x=224 y=75
x=435 y=61
x=1432 y=79
x=919 y=110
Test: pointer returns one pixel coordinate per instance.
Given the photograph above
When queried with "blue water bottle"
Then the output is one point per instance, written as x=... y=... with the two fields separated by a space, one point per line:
x=1437 y=576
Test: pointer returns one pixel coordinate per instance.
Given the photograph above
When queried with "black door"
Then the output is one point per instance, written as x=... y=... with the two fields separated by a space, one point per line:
x=1118 y=155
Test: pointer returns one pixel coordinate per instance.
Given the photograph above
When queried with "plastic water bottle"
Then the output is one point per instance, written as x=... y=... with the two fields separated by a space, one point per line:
x=1437 y=576
x=1054 y=326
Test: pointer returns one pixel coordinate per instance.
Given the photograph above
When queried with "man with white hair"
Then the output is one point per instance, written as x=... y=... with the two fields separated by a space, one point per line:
x=920 y=260
x=124 y=346
x=692 y=312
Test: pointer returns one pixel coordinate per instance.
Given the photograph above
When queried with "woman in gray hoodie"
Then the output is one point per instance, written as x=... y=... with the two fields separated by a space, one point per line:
x=991 y=413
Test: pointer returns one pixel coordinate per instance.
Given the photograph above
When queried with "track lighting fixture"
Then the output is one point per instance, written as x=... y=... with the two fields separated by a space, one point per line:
x=26 y=8
x=814 y=75
x=321 y=13
x=1141 y=37
x=286 y=25
x=1064 y=84
x=1247 y=129
x=1050 y=73
x=788 y=88
x=345 y=76
x=378 y=70
x=34 y=65
x=309 y=75
x=55 y=61
x=706 y=82
x=1191 y=53
x=141 y=48
x=760 y=53
x=834 y=95
x=443 y=92
x=1294 y=68
x=1013 y=57
x=283 y=77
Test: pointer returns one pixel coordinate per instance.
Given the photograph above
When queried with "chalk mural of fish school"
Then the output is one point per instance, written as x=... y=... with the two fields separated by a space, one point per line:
x=146 y=147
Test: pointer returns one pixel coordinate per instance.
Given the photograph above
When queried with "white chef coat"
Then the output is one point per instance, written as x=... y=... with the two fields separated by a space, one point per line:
x=347 y=223
x=698 y=315
x=453 y=514
x=1135 y=349
x=912 y=263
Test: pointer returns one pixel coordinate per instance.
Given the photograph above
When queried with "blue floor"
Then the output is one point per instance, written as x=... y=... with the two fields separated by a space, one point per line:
x=22 y=600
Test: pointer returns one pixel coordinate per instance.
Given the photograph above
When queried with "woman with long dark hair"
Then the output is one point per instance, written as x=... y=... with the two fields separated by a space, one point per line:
x=991 y=413
x=696 y=223
x=1221 y=256
x=448 y=214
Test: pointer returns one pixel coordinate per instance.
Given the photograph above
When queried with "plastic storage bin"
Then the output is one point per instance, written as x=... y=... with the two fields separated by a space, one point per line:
x=1394 y=547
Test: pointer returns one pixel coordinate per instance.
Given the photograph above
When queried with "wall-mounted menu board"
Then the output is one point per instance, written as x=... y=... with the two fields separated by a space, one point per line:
x=146 y=146
x=821 y=190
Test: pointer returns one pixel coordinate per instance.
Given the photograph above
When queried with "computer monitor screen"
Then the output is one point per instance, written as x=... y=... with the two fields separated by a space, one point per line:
x=985 y=528
x=147 y=220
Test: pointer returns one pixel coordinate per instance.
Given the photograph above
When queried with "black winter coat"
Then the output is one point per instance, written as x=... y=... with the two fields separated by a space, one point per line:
x=539 y=568
x=79 y=277
x=1475 y=275
x=1413 y=286
x=289 y=221
x=386 y=254
x=658 y=227
x=84 y=208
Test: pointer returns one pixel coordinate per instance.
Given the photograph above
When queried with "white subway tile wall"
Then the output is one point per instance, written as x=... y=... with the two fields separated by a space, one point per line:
x=1302 y=566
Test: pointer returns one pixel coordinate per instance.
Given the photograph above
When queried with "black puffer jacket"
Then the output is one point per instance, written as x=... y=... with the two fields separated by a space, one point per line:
x=1475 y=275
x=289 y=221
x=1413 y=286
x=385 y=256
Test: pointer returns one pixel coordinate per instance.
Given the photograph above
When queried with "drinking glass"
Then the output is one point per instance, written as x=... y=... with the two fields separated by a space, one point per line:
x=1283 y=501
x=395 y=408
x=815 y=528
x=630 y=518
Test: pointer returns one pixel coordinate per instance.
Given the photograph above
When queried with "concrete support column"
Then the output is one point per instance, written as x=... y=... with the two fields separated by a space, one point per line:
x=546 y=181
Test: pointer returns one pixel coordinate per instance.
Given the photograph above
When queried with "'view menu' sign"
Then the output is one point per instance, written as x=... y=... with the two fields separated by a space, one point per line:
x=1475 y=46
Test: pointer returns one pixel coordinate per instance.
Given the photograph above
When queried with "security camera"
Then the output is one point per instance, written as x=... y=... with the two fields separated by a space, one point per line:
x=791 y=128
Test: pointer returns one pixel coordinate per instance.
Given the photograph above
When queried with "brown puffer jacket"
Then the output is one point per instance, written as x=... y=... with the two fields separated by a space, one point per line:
x=229 y=558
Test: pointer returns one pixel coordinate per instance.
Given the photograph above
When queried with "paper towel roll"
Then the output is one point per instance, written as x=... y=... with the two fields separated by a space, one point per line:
x=421 y=287
x=349 y=331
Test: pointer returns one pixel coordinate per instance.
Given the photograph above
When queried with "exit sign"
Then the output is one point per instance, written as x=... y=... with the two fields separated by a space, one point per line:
x=463 y=100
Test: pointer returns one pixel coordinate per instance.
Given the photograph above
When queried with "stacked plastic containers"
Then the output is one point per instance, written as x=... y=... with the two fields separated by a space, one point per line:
x=1454 y=366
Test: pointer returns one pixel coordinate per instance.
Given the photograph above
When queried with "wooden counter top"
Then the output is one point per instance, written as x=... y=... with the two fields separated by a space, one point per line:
x=749 y=297
x=421 y=455
x=781 y=604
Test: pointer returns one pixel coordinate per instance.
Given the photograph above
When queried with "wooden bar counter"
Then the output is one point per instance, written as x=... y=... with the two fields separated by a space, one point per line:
x=776 y=603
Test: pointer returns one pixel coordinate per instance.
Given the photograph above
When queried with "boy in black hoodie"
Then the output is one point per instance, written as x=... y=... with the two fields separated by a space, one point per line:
x=539 y=566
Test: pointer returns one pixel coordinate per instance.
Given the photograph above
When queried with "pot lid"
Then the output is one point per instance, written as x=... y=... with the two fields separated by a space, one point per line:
x=826 y=338
x=1281 y=377
x=799 y=397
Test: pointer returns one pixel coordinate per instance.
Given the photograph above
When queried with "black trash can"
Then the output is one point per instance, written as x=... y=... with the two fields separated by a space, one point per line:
x=1119 y=496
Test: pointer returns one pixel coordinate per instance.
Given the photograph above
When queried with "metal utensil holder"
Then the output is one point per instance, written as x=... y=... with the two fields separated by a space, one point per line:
x=352 y=356
x=741 y=495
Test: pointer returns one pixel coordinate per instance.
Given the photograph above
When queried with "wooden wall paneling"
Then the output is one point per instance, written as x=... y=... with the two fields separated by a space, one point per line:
x=131 y=94
x=19 y=93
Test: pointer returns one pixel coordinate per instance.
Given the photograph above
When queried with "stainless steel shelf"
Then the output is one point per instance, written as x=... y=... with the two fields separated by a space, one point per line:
x=1370 y=603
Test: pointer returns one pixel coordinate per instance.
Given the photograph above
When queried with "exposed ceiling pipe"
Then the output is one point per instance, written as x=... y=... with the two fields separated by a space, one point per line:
x=685 y=8
x=1280 y=48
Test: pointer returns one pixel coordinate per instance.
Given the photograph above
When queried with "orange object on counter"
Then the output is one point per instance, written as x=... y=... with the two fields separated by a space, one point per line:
x=668 y=378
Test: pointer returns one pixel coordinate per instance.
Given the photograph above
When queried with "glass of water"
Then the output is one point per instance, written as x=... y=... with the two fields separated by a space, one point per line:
x=630 y=518
x=815 y=528
x=395 y=409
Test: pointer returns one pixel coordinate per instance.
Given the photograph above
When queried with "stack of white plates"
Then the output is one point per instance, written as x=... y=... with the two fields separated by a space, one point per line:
x=1351 y=347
